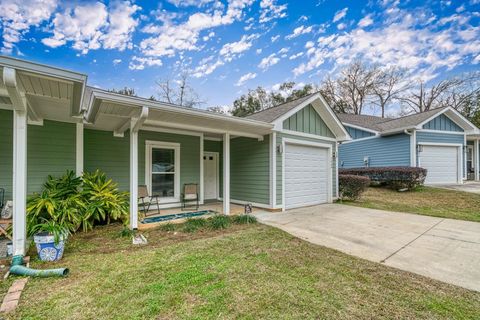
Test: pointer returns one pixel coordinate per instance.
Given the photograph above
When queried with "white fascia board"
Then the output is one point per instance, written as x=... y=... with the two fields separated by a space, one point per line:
x=155 y=105
x=359 y=127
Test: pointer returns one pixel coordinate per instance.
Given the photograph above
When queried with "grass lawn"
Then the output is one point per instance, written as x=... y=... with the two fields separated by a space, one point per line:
x=426 y=201
x=245 y=272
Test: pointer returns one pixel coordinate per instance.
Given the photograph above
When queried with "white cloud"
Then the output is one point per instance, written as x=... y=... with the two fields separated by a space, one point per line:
x=92 y=26
x=189 y=3
x=169 y=38
x=17 y=17
x=269 y=61
x=275 y=38
x=366 y=21
x=258 y=51
x=295 y=56
x=116 y=61
x=341 y=26
x=299 y=31
x=424 y=50
x=309 y=44
x=205 y=68
x=340 y=14
x=283 y=50
x=245 y=78
x=139 y=63
x=270 y=10
x=230 y=50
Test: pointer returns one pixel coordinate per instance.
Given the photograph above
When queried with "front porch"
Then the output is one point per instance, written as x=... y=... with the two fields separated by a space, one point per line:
x=472 y=158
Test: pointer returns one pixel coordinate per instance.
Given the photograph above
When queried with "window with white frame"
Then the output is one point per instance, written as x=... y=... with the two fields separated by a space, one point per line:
x=163 y=169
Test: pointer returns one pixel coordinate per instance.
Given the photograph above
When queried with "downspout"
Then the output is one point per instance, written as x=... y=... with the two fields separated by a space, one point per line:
x=18 y=269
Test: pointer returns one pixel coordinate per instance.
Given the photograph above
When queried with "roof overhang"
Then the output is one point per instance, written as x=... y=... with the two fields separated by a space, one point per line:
x=44 y=92
x=324 y=110
x=359 y=127
x=114 y=112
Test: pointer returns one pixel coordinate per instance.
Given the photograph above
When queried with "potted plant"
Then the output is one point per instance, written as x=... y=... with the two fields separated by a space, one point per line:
x=50 y=237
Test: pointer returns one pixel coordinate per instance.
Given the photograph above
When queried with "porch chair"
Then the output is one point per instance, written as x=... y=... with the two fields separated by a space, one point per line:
x=146 y=199
x=190 y=193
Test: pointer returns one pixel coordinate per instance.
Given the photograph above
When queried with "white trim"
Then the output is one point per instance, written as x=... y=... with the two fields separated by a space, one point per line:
x=19 y=181
x=460 y=156
x=217 y=168
x=79 y=149
x=440 y=131
x=337 y=189
x=361 y=139
x=359 y=128
x=202 y=182
x=273 y=169
x=133 y=178
x=151 y=144
x=212 y=139
x=226 y=173
x=306 y=135
x=413 y=148
x=464 y=169
x=174 y=131
x=329 y=166
x=476 y=154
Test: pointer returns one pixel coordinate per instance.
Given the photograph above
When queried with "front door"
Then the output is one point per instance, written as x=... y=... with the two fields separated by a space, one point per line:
x=470 y=167
x=210 y=175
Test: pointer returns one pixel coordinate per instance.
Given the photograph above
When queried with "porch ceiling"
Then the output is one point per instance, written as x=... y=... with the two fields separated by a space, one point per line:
x=48 y=93
x=112 y=112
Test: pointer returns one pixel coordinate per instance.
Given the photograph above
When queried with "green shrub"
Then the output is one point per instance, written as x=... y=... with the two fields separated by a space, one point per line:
x=351 y=187
x=71 y=203
x=393 y=177
x=244 y=219
x=219 y=222
x=193 y=224
x=168 y=227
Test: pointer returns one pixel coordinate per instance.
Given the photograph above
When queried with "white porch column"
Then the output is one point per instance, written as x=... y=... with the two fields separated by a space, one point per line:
x=226 y=173
x=133 y=177
x=79 y=149
x=476 y=157
x=19 y=181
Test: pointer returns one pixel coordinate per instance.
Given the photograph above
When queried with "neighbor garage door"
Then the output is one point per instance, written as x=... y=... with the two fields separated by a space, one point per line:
x=306 y=175
x=441 y=163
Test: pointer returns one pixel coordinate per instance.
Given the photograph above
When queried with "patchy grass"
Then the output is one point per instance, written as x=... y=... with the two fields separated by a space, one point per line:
x=425 y=200
x=247 y=271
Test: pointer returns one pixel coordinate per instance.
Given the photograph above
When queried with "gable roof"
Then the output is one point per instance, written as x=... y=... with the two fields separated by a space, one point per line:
x=273 y=113
x=413 y=121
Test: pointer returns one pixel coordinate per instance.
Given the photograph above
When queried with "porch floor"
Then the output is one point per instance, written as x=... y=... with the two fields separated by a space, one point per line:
x=214 y=206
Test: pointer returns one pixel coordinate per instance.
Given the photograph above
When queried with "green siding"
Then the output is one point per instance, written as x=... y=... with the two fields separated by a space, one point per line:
x=108 y=153
x=189 y=155
x=249 y=170
x=216 y=146
x=50 y=151
x=6 y=153
x=279 y=163
x=309 y=121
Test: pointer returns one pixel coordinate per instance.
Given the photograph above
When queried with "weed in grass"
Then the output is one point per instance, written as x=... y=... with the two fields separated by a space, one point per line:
x=168 y=227
x=219 y=222
x=126 y=232
x=244 y=219
x=192 y=225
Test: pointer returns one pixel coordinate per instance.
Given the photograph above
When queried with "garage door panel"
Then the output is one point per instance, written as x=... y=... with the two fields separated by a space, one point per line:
x=441 y=163
x=306 y=175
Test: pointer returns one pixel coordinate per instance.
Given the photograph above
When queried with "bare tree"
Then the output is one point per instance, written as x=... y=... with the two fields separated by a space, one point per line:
x=388 y=85
x=179 y=92
x=218 y=109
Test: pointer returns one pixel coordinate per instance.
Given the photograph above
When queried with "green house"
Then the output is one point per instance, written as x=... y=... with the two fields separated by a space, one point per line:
x=52 y=121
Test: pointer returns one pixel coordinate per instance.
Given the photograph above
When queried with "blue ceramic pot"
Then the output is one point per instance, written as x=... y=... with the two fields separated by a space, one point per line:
x=47 y=249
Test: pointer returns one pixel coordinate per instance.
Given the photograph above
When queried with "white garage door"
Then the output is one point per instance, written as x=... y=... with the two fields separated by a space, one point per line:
x=441 y=163
x=306 y=175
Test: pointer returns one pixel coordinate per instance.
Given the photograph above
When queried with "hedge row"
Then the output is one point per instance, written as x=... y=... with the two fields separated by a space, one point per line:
x=351 y=186
x=394 y=177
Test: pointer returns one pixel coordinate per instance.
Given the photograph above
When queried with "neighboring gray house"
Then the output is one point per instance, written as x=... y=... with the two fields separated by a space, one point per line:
x=440 y=140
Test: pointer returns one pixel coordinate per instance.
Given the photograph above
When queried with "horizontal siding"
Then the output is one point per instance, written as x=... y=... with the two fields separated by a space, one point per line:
x=50 y=151
x=440 y=137
x=249 y=170
x=442 y=123
x=382 y=151
x=6 y=155
x=309 y=121
x=280 y=136
x=109 y=154
x=357 y=133
x=216 y=146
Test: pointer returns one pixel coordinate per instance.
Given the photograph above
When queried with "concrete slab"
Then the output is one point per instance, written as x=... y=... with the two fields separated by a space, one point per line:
x=443 y=249
x=469 y=186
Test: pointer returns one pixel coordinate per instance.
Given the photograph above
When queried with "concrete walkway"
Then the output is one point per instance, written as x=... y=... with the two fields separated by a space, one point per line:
x=443 y=249
x=469 y=186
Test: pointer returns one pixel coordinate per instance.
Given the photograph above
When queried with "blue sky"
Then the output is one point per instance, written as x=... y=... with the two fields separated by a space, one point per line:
x=231 y=46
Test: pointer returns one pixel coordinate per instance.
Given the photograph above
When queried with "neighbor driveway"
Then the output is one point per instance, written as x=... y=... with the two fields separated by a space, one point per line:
x=469 y=186
x=443 y=249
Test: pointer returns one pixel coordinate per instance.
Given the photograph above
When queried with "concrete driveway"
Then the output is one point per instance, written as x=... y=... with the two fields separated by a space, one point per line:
x=443 y=249
x=469 y=186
